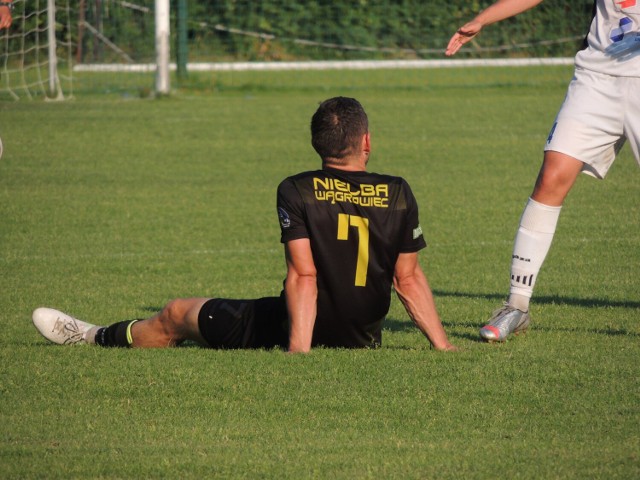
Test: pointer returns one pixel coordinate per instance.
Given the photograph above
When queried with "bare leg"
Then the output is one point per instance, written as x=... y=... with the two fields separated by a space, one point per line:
x=177 y=322
x=557 y=175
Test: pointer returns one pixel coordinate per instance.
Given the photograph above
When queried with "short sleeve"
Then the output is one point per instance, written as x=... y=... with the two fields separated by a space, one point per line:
x=413 y=239
x=291 y=212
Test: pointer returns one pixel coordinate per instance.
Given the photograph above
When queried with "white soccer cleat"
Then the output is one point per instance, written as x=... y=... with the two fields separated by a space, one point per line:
x=59 y=327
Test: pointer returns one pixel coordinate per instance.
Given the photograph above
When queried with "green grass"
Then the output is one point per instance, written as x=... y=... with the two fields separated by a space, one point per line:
x=110 y=206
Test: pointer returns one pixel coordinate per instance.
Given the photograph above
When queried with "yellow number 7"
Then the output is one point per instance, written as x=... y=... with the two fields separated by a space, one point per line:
x=362 y=224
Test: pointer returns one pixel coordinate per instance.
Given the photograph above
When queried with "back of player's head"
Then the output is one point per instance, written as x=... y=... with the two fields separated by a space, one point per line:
x=337 y=128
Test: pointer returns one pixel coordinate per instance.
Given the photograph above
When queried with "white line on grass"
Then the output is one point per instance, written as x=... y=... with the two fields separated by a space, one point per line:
x=328 y=65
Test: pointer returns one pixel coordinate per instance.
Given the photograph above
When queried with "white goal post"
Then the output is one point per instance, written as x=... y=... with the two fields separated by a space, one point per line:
x=162 y=47
x=54 y=83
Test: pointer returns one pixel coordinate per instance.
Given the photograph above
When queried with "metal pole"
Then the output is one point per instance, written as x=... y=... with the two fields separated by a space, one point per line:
x=51 y=37
x=181 y=39
x=98 y=50
x=81 y=19
x=162 y=47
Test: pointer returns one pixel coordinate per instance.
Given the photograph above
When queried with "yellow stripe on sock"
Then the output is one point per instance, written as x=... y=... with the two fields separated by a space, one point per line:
x=129 y=337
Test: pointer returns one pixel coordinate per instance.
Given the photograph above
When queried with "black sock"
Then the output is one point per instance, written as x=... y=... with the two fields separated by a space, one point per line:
x=116 y=335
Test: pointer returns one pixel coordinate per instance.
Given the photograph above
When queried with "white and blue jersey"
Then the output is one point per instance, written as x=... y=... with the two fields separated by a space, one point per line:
x=601 y=111
x=613 y=41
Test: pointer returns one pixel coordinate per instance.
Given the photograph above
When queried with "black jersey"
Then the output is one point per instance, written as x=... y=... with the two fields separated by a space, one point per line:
x=358 y=223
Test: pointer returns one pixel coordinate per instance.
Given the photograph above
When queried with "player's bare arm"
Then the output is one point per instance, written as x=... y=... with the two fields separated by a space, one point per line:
x=5 y=14
x=500 y=10
x=301 y=292
x=415 y=294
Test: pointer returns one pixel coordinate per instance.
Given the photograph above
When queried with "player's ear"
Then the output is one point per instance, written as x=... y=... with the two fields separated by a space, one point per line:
x=366 y=142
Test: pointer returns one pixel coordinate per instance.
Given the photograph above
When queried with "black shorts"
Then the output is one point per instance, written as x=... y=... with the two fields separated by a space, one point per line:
x=231 y=324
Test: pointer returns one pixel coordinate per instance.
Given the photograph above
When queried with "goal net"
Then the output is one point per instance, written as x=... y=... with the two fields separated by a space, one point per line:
x=35 y=52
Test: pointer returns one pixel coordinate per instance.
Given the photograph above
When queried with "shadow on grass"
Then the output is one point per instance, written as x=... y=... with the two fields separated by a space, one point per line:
x=538 y=300
x=151 y=309
x=545 y=300
x=396 y=325
x=611 y=332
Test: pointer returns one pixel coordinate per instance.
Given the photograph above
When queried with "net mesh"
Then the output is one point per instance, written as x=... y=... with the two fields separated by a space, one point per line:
x=34 y=63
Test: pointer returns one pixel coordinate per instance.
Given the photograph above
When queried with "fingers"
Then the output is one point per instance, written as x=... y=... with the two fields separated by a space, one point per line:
x=447 y=348
x=457 y=41
x=454 y=45
x=462 y=36
x=5 y=17
x=5 y=21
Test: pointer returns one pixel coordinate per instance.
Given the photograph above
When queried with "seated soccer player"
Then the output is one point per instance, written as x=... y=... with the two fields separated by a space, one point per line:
x=348 y=236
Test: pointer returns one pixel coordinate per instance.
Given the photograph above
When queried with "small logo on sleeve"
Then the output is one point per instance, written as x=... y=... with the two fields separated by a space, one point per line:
x=283 y=216
x=417 y=232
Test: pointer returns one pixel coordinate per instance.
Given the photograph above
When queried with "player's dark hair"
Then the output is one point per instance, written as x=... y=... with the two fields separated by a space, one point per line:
x=337 y=127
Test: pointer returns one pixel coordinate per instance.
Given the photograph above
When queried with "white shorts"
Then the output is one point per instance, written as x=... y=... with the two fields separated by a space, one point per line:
x=599 y=113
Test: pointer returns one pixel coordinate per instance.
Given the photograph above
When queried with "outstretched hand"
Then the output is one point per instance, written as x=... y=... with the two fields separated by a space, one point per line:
x=462 y=36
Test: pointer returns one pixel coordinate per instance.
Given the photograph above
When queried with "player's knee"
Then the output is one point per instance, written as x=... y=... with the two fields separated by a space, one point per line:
x=172 y=317
x=553 y=185
x=549 y=181
x=557 y=175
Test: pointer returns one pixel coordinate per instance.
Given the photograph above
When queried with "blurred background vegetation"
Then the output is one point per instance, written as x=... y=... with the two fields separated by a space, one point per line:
x=228 y=30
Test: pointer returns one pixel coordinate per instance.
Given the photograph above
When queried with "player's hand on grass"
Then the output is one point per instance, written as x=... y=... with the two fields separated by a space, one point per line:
x=462 y=36
x=447 y=347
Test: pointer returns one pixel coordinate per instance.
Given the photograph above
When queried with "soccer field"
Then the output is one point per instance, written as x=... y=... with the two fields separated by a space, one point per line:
x=112 y=205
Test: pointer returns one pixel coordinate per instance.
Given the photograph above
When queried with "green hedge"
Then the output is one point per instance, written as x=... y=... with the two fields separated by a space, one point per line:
x=378 y=28
x=396 y=29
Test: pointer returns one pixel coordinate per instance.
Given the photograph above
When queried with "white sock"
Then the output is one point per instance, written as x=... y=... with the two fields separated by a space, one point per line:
x=530 y=248
x=90 y=335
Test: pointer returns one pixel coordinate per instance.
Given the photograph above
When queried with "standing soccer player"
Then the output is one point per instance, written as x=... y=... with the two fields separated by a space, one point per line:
x=601 y=111
x=348 y=236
